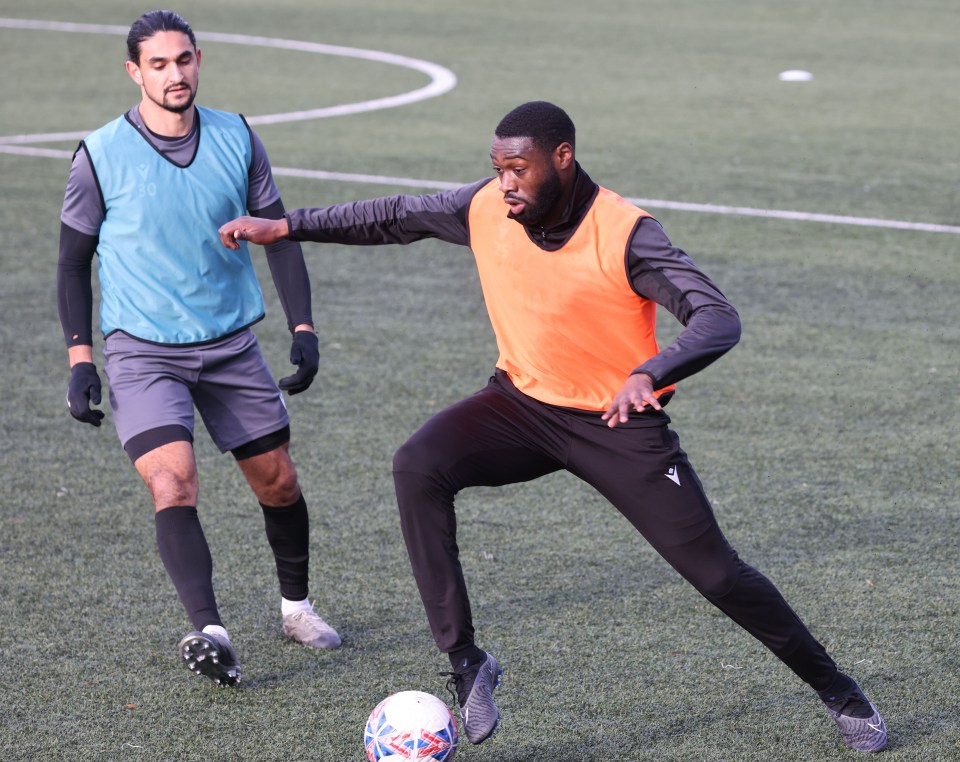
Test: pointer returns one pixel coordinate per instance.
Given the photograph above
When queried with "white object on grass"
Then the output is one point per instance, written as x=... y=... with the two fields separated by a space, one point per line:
x=795 y=75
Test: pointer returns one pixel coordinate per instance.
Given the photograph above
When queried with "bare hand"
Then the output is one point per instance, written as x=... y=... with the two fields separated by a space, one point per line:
x=635 y=394
x=253 y=229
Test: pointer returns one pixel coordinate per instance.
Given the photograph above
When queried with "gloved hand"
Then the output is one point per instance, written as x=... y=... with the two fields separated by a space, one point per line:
x=84 y=388
x=304 y=353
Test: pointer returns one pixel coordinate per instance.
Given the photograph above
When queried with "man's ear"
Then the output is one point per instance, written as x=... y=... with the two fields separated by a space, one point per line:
x=563 y=157
x=134 y=71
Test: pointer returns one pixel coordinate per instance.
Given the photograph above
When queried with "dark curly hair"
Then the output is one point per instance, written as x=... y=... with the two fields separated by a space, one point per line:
x=544 y=123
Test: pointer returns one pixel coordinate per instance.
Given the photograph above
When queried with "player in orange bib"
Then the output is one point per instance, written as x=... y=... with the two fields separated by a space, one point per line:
x=571 y=276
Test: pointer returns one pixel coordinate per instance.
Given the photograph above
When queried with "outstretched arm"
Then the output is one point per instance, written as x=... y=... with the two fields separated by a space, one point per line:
x=259 y=230
x=387 y=220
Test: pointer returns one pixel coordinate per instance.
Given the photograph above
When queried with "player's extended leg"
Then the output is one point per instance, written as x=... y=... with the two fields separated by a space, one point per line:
x=272 y=476
x=646 y=475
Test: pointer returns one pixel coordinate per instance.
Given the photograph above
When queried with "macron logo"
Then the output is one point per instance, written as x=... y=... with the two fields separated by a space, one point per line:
x=672 y=475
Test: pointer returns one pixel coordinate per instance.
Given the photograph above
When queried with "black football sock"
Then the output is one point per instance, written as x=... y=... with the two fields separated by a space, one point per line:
x=839 y=686
x=467 y=656
x=845 y=696
x=288 y=532
x=186 y=557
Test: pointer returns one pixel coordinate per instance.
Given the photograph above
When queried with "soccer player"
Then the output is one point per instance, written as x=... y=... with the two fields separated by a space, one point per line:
x=571 y=274
x=145 y=193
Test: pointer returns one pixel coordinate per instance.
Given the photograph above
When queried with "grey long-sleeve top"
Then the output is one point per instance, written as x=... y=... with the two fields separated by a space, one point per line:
x=657 y=269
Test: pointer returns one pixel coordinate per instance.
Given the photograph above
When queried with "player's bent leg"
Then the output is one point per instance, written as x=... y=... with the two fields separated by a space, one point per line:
x=472 y=443
x=272 y=476
x=483 y=440
x=271 y=473
x=428 y=523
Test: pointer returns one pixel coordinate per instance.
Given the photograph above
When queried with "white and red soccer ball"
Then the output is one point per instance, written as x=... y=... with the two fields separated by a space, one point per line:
x=411 y=725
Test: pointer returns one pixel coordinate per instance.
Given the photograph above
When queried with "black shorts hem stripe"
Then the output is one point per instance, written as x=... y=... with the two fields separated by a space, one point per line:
x=260 y=445
x=142 y=443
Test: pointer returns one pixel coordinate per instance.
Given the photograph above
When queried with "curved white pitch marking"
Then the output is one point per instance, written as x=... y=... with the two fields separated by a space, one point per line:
x=442 y=80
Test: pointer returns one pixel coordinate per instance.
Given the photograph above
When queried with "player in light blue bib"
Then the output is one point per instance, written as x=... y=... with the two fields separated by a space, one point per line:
x=146 y=195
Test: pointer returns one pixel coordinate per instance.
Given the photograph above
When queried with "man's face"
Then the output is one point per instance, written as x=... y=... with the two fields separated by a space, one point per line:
x=168 y=70
x=529 y=180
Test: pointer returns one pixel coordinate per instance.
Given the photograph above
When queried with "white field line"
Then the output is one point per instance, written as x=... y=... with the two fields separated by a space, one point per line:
x=47 y=153
x=442 y=81
x=684 y=206
x=646 y=203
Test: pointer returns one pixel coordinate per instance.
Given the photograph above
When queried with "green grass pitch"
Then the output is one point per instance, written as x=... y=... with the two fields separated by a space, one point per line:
x=827 y=439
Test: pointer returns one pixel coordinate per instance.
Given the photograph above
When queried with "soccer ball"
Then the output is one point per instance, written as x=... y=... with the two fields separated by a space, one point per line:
x=411 y=725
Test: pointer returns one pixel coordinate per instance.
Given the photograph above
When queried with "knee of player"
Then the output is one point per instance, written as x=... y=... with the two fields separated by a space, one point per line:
x=172 y=488
x=283 y=489
x=415 y=457
x=716 y=582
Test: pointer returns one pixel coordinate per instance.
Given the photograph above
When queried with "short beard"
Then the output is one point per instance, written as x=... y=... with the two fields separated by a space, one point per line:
x=178 y=109
x=547 y=198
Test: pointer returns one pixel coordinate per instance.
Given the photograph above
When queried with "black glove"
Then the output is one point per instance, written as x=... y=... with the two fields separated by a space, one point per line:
x=84 y=388
x=304 y=353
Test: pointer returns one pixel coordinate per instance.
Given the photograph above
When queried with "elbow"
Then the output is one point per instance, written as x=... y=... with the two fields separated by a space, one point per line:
x=721 y=322
x=734 y=327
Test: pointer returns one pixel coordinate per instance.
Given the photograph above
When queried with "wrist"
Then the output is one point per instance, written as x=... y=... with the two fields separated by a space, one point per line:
x=647 y=373
x=79 y=353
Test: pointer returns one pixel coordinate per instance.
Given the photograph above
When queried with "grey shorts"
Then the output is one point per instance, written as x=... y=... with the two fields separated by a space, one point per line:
x=156 y=385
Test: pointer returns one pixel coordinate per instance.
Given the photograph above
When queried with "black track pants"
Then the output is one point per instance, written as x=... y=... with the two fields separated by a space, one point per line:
x=500 y=436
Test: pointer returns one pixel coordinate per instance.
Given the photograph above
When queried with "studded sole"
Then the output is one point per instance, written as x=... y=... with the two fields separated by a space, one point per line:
x=202 y=658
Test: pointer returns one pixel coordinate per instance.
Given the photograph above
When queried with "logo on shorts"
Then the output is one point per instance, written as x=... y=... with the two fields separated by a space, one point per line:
x=673 y=475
